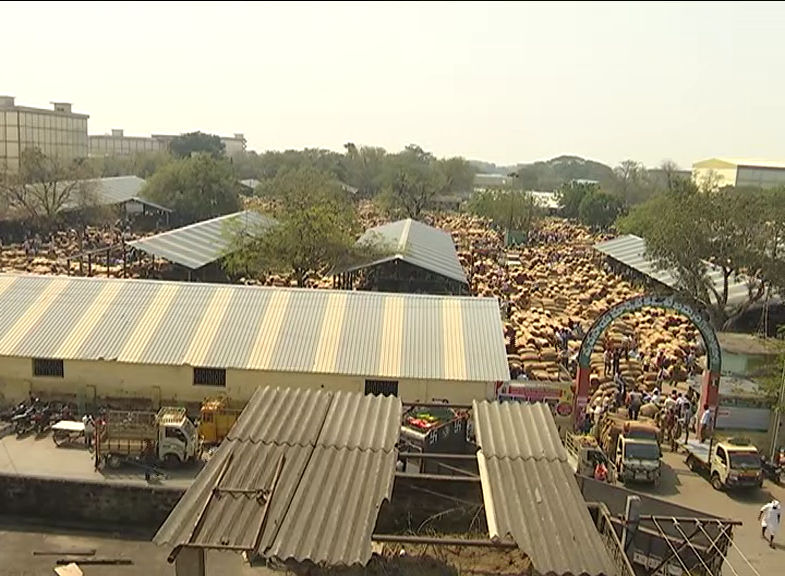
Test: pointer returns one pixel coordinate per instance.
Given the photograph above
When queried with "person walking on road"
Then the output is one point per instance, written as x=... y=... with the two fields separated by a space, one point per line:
x=89 y=431
x=705 y=424
x=770 y=517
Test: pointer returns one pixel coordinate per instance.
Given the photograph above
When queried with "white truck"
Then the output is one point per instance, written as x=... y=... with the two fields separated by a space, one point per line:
x=584 y=454
x=733 y=464
x=167 y=437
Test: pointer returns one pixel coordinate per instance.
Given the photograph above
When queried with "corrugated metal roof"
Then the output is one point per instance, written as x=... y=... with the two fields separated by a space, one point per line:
x=530 y=490
x=748 y=162
x=339 y=467
x=366 y=334
x=630 y=250
x=199 y=244
x=110 y=191
x=418 y=244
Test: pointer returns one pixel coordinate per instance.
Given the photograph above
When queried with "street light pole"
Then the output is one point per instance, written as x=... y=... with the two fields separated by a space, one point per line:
x=778 y=416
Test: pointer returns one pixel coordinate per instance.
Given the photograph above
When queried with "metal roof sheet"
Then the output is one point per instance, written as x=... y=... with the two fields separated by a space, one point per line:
x=366 y=334
x=199 y=244
x=418 y=244
x=630 y=250
x=530 y=491
x=330 y=489
x=746 y=162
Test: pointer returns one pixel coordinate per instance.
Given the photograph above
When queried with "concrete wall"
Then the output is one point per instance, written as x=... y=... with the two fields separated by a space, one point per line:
x=91 y=379
x=68 y=502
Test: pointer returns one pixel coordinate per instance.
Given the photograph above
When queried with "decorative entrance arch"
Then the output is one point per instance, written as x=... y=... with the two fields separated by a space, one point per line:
x=710 y=382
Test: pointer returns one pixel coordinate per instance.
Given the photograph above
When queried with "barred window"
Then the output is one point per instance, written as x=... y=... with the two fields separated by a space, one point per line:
x=48 y=367
x=209 y=377
x=381 y=387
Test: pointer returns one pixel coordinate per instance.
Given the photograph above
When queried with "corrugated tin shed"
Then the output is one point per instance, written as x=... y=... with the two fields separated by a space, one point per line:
x=530 y=490
x=338 y=467
x=417 y=244
x=111 y=191
x=746 y=162
x=630 y=250
x=199 y=244
x=367 y=334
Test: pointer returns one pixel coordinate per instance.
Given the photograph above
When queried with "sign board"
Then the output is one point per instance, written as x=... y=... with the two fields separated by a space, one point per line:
x=558 y=395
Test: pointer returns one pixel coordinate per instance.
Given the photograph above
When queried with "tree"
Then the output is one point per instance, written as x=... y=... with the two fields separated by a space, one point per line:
x=599 y=209
x=45 y=186
x=633 y=183
x=316 y=229
x=457 y=175
x=364 y=168
x=412 y=182
x=196 y=188
x=141 y=164
x=692 y=234
x=571 y=195
x=186 y=145
x=513 y=210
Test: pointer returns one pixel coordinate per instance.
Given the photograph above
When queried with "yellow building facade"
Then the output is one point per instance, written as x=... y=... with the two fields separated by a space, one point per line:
x=58 y=133
x=717 y=173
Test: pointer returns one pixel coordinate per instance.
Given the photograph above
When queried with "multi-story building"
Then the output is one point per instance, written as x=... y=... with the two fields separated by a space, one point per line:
x=59 y=132
x=118 y=144
x=718 y=173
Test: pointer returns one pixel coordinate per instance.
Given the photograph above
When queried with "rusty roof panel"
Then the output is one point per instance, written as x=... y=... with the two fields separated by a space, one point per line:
x=517 y=430
x=337 y=452
x=530 y=491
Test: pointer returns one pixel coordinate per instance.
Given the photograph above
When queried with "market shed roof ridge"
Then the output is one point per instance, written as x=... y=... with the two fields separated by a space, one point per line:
x=630 y=250
x=415 y=243
x=326 y=500
x=365 y=334
x=532 y=499
x=196 y=245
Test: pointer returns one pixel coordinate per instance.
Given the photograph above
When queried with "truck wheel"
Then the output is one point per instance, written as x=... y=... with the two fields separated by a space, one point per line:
x=171 y=461
x=691 y=463
x=113 y=461
x=716 y=483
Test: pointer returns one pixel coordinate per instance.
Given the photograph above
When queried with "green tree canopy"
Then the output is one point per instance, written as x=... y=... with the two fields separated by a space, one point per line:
x=196 y=188
x=412 y=182
x=694 y=233
x=599 y=209
x=571 y=195
x=317 y=228
x=185 y=145
x=512 y=210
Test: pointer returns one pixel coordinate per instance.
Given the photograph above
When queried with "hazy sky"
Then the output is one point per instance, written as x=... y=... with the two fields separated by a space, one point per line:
x=499 y=81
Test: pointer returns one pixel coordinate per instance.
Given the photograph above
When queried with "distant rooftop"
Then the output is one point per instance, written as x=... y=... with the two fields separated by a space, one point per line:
x=736 y=162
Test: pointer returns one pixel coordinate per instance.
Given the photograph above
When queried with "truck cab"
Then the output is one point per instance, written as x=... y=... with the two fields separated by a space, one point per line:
x=735 y=464
x=638 y=460
x=216 y=419
x=177 y=436
x=584 y=454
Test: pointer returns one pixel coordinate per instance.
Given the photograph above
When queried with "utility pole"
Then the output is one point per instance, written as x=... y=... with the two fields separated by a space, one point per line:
x=778 y=416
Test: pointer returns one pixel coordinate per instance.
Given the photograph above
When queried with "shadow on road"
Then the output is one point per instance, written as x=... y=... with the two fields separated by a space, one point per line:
x=752 y=496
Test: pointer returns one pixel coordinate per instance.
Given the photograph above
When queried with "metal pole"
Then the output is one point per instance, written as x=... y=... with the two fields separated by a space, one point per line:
x=632 y=517
x=778 y=416
x=399 y=539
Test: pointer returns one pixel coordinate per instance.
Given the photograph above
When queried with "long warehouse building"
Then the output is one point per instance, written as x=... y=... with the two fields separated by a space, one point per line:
x=186 y=341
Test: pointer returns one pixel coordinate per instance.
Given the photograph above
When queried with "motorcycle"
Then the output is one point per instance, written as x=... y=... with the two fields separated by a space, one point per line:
x=771 y=471
x=25 y=422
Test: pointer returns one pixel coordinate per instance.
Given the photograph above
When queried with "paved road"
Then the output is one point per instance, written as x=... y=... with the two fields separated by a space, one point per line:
x=40 y=457
x=683 y=487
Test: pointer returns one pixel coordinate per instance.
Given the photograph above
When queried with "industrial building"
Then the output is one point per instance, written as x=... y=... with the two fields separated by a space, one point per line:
x=59 y=133
x=718 y=173
x=115 y=338
x=117 y=143
x=413 y=258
